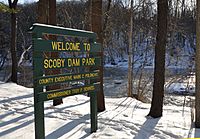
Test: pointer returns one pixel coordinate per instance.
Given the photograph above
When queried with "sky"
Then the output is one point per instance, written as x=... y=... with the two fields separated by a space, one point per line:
x=20 y=1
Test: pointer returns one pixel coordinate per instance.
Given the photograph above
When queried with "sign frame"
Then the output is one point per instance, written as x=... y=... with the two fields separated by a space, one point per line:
x=38 y=30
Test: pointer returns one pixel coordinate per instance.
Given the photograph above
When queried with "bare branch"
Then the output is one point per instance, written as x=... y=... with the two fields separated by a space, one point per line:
x=15 y=3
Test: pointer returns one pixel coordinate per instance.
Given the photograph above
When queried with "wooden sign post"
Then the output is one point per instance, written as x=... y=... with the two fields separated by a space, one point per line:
x=76 y=54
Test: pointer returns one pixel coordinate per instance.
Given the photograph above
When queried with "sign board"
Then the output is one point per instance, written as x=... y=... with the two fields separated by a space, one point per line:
x=76 y=61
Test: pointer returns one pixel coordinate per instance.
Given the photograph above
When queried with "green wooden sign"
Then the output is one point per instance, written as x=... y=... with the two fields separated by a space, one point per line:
x=61 y=78
x=69 y=46
x=56 y=63
x=75 y=54
x=55 y=94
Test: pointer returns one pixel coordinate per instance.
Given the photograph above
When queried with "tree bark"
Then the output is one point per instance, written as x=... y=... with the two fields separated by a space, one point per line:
x=197 y=92
x=97 y=28
x=43 y=11
x=52 y=12
x=130 y=54
x=159 y=71
x=52 y=21
x=13 y=48
x=13 y=5
x=106 y=16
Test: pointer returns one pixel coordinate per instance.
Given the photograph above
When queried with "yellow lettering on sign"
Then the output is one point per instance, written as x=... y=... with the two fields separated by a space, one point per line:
x=54 y=63
x=71 y=46
x=86 y=46
x=70 y=92
x=75 y=91
x=89 y=88
x=90 y=75
x=77 y=76
x=59 y=79
x=94 y=74
x=73 y=62
x=46 y=81
x=57 y=45
x=68 y=46
x=59 y=94
x=83 y=76
x=88 y=61
x=63 y=78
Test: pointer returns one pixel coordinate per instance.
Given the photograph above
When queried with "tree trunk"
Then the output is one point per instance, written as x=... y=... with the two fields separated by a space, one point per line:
x=159 y=71
x=43 y=11
x=47 y=15
x=52 y=21
x=106 y=17
x=197 y=93
x=52 y=12
x=130 y=54
x=97 y=28
x=13 y=48
x=183 y=8
x=13 y=5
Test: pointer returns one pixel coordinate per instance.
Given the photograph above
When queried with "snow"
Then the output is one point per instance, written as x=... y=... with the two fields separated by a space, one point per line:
x=124 y=118
x=57 y=27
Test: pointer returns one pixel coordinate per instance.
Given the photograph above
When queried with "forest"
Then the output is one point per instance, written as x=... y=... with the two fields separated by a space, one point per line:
x=150 y=47
x=181 y=30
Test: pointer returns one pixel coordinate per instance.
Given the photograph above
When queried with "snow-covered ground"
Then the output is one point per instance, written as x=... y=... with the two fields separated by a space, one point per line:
x=124 y=118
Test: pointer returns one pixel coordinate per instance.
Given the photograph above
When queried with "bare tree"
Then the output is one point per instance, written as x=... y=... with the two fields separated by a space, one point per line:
x=197 y=100
x=159 y=71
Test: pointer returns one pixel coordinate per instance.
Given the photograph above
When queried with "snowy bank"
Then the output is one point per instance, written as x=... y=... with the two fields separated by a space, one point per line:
x=124 y=118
